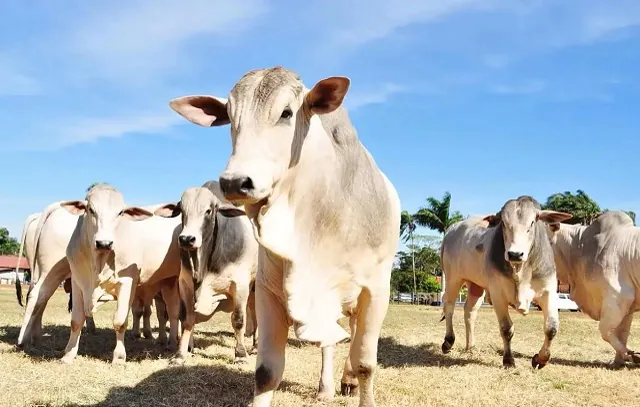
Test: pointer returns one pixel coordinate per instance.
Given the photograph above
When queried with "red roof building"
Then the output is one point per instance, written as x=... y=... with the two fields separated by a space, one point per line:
x=10 y=262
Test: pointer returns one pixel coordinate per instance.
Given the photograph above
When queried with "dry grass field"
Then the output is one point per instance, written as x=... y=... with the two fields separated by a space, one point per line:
x=412 y=370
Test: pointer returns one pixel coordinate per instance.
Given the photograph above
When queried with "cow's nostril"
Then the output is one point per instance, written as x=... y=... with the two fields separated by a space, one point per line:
x=246 y=184
x=186 y=240
x=104 y=244
x=515 y=256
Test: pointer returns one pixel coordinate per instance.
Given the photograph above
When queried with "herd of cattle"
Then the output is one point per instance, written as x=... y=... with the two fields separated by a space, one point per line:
x=301 y=229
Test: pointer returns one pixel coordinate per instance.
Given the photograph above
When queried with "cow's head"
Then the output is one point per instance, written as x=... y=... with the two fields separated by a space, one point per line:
x=198 y=207
x=103 y=208
x=268 y=110
x=517 y=219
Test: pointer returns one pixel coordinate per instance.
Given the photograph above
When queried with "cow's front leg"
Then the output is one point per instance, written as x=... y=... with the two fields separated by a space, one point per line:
x=274 y=329
x=501 y=308
x=146 y=321
x=548 y=303
x=126 y=292
x=252 y=322
x=77 y=320
x=326 y=387
x=239 y=320
x=364 y=352
x=188 y=317
x=349 y=382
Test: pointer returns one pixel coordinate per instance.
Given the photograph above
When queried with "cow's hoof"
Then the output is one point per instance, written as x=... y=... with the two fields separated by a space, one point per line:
x=324 y=396
x=253 y=351
x=171 y=347
x=162 y=342
x=19 y=346
x=119 y=358
x=635 y=357
x=177 y=361
x=448 y=343
x=349 y=389
x=66 y=360
x=536 y=363
x=508 y=363
x=240 y=360
x=136 y=335
x=148 y=335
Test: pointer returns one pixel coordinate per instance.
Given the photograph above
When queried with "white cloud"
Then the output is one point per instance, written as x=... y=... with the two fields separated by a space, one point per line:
x=358 y=99
x=13 y=82
x=86 y=130
x=371 y=20
x=528 y=87
x=148 y=37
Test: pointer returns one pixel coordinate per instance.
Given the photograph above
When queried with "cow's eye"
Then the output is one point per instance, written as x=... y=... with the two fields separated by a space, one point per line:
x=286 y=113
x=208 y=212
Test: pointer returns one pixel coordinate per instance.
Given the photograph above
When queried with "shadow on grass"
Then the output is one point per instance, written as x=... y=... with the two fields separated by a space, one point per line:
x=192 y=386
x=207 y=338
x=98 y=345
x=393 y=354
x=577 y=363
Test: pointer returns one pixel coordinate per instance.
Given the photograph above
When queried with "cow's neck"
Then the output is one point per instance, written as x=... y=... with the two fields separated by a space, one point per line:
x=567 y=253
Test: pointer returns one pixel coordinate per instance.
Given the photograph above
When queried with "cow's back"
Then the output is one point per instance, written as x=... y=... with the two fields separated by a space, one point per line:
x=463 y=248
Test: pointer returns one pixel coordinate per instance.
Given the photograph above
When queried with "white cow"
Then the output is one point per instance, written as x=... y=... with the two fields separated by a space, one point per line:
x=601 y=264
x=45 y=239
x=219 y=262
x=26 y=246
x=325 y=216
x=513 y=261
x=140 y=256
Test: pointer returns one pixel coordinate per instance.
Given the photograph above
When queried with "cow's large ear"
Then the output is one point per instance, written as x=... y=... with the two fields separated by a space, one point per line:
x=548 y=216
x=327 y=95
x=136 y=213
x=492 y=219
x=75 y=207
x=203 y=110
x=230 y=211
x=169 y=210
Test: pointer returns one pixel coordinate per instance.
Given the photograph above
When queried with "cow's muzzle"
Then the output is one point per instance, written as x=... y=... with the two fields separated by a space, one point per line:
x=187 y=242
x=236 y=188
x=104 y=245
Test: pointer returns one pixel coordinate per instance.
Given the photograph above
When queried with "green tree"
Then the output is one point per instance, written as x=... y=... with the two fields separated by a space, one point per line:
x=437 y=214
x=9 y=246
x=581 y=206
x=632 y=215
x=427 y=265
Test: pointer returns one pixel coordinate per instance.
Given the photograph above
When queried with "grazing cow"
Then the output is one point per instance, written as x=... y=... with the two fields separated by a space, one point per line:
x=325 y=216
x=45 y=246
x=601 y=264
x=140 y=256
x=219 y=262
x=513 y=261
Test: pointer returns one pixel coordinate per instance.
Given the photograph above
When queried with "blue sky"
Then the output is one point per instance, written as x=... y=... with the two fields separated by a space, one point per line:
x=486 y=99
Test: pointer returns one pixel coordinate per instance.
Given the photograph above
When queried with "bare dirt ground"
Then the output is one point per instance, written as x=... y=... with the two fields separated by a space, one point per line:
x=412 y=369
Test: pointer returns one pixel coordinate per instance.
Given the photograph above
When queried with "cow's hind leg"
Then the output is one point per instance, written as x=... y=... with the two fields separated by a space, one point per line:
x=171 y=299
x=349 y=382
x=146 y=321
x=161 y=314
x=137 y=309
x=623 y=335
x=449 y=301
x=614 y=311
x=274 y=329
x=372 y=308
x=549 y=306
x=326 y=387
x=501 y=308
x=77 y=320
x=471 y=307
x=238 y=321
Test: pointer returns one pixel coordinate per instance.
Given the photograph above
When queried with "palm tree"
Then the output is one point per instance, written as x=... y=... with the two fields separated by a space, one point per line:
x=436 y=216
x=407 y=227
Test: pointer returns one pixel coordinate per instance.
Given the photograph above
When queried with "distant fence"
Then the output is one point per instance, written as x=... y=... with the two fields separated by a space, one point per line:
x=428 y=298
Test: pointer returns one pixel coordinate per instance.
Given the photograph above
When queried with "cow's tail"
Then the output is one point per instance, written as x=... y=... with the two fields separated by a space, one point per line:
x=25 y=227
x=442 y=266
x=35 y=270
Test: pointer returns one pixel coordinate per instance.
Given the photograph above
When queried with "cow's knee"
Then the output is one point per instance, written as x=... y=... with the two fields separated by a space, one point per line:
x=552 y=330
x=365 y=371
x=265 y=379
x=237 y=320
